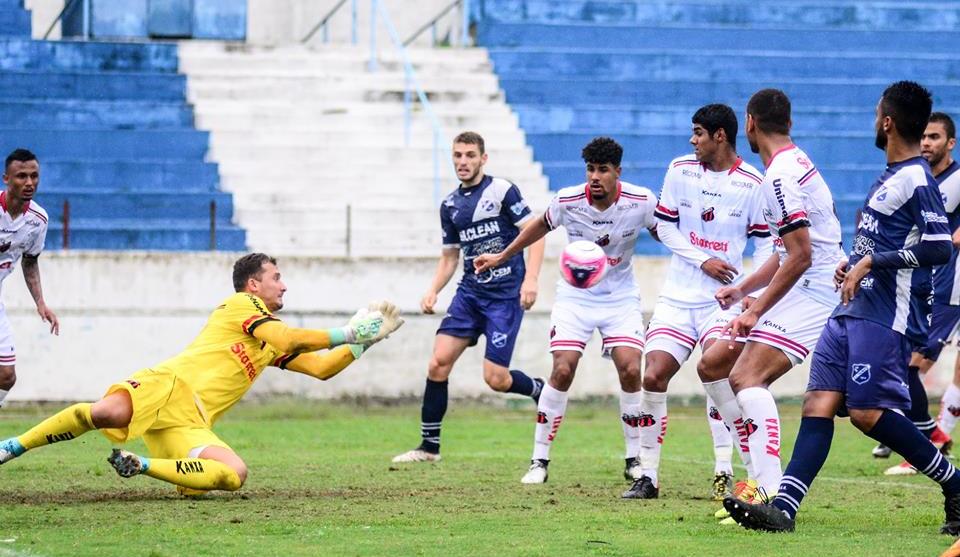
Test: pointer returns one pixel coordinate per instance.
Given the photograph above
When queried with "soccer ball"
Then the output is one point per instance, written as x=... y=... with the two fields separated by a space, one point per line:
x=583 y=264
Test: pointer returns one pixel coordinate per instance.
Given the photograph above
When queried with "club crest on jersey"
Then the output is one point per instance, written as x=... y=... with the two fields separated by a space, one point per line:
x=860 y=373
x=603 y=240
x=488 y=205
x=707 y=214
x=499 y=339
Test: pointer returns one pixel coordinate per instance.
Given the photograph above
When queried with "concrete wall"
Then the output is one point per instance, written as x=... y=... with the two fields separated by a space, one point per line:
x=124 y=311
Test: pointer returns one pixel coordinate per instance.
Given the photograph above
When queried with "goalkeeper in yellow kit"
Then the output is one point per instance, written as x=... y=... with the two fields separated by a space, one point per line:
x=174 y=405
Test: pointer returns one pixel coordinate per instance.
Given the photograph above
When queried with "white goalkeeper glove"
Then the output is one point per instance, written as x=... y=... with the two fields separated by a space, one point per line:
x=374 y=323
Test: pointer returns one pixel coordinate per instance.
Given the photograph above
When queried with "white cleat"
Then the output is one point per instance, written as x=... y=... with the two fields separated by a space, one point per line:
x=537 y=473
x=417 y=455
x=902 y=469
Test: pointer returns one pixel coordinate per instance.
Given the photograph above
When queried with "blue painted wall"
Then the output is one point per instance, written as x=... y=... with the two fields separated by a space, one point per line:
x=201 y=19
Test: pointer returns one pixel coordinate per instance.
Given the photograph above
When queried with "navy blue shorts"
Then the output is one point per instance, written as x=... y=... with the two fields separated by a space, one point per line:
x=864 y=360
x=499 y=320
x=942 y=324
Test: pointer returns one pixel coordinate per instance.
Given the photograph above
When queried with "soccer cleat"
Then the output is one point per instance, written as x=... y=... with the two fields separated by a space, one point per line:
x=722 y=485
x=881 y=451
x=951 y=508
x=631 y=469
x=537 y=473
x=417 y=455
x=642 y=488
x=941 y=440
x=744 y=491
x=10 y=449
x=126 y=463
x=761 y=516
x=902 y=469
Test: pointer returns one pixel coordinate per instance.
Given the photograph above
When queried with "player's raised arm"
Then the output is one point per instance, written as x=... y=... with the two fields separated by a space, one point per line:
x=534 y=231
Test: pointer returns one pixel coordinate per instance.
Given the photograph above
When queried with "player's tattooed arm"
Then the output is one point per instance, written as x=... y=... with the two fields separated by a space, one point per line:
x=31 y=274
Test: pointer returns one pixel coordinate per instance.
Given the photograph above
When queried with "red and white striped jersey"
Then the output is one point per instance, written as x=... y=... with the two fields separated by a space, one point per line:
x=797 y=196
x=22 y=235
x=615 y=230
x=715 y=212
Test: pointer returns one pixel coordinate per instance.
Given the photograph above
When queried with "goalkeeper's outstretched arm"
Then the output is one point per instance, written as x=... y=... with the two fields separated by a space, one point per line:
x=291 y=340
x=325 y=365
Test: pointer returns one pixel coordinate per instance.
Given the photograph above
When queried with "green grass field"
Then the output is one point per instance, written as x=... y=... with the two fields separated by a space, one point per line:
x=321 y=483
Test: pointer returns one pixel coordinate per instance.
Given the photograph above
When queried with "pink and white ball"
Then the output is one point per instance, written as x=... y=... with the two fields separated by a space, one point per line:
x=583 y=264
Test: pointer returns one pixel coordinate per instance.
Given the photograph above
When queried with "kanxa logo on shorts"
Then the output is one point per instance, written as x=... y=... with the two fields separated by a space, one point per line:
x=707 y=214
x=553 y=331
x=860 y=373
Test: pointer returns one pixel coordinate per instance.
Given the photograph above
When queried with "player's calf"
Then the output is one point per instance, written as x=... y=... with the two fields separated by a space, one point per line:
x=194 y=473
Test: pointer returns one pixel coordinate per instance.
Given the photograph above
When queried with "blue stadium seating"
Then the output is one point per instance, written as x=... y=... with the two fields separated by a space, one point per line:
x=116 y=140
x=637 y=70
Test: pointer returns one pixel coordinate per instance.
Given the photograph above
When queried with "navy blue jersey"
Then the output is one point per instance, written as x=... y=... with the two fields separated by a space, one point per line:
x=946 y=291
x=484 y=219
x=902 y=209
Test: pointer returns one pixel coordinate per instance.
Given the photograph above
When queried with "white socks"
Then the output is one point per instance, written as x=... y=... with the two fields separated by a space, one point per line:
x=762 y=424
x=722 y=440
x=725 y=401
x=550 y=410
x=653 y=427
x=949 y=408
x=629 y=418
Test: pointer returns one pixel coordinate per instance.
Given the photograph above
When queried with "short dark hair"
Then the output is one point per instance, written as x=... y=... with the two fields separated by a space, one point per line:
x=247 y=267
x=603 y=150
x=21 y=155
x=770 y=108
x=471 y=138
x=947 y=121
x=908 y=104
x=718 y=116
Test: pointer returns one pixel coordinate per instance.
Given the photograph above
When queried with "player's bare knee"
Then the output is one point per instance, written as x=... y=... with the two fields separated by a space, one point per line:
x=561 y=377
x=630 y=376
x=712 y=367
x=439 y=370
x=498 y=379
x=864 y=419
x=654 y=382
x=8 y=377
x=740 y=381
x=113 y=411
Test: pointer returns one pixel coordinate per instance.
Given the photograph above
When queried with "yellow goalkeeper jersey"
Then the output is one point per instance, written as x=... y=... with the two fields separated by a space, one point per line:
x=225 y=359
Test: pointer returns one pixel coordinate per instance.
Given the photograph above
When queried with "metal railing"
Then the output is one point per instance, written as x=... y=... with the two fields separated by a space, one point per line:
x=324 y=23
x=411 y=84
x=464 y=34
x=85 y=6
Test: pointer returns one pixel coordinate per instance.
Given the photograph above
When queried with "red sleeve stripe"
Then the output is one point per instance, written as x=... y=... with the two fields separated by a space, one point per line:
x=573 y=198
x=754 y=177
x=283 y=361
x=790 y=218
x=633 y=196
x=252 y=323
x=806 y=177
x=38 y=214
x=668 y=212
x=759 y=226
x=686 y=163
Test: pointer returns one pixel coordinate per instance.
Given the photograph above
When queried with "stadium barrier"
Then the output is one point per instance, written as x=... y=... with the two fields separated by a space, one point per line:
x=124 y=311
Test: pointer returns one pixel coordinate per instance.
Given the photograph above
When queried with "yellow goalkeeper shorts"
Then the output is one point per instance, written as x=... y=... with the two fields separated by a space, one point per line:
x=161 y=400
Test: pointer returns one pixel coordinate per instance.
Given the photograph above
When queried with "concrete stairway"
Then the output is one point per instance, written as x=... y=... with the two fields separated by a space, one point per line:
x=301 y=135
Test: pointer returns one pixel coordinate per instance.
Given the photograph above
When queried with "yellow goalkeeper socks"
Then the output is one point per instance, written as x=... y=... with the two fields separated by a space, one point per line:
x=196 y=473
x=65 y=425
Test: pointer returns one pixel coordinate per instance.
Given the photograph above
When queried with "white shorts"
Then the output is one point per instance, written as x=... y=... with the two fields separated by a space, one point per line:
x=8 y=354
x=793 y=325
x=677 y=331
x=572 y=326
